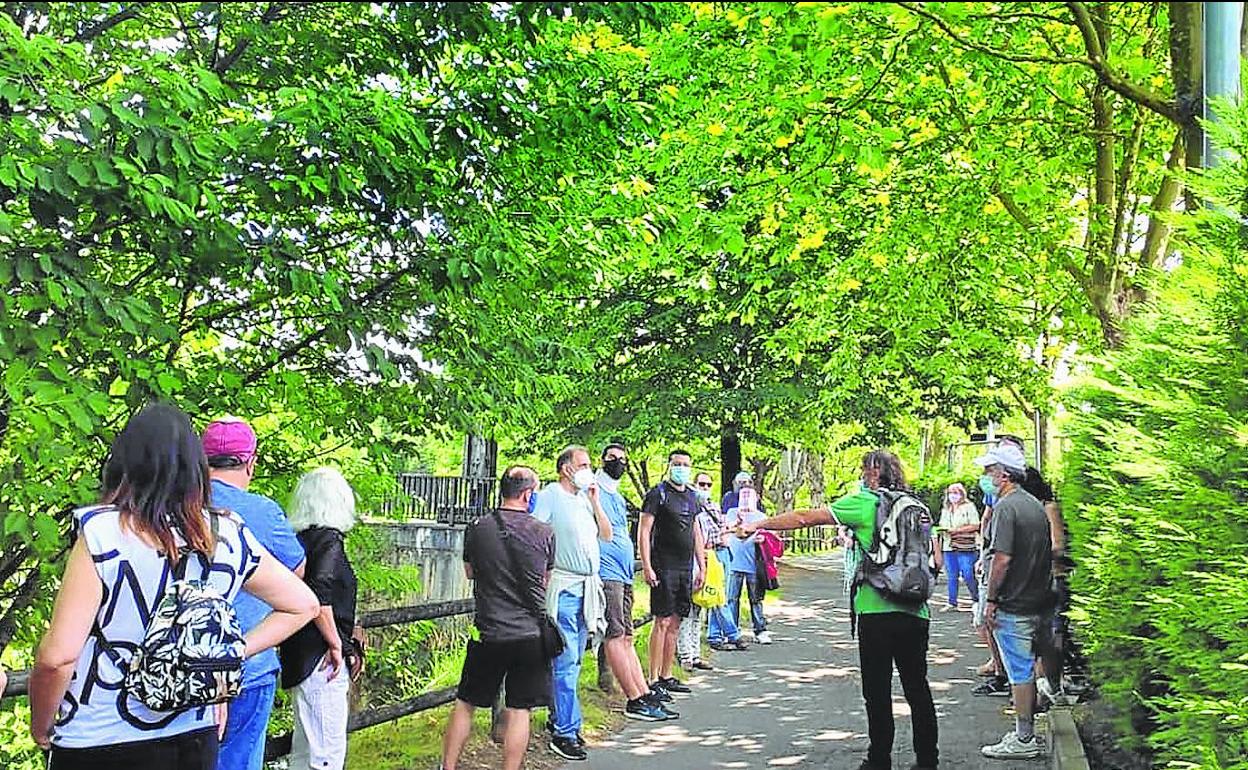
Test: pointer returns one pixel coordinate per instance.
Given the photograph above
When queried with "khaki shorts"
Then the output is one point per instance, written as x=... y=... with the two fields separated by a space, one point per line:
x=619 y=608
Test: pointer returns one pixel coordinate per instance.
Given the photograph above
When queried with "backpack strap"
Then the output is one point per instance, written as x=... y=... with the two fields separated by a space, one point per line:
x=537 y=612
x=179 y=569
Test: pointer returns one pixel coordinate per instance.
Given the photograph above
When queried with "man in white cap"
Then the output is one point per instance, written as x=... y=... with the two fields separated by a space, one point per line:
x=1019 y=598
x=742 y=479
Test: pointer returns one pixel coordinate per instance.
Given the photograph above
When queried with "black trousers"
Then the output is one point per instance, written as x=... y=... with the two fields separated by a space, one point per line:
x=190 y=751
x=899 y=639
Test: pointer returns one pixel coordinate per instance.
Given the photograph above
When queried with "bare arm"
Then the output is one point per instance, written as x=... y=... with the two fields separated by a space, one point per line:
x=699 y=552
x=604 y=524
x=644 y=528
x=996 y=575
x=294 y=605
x=1057 y=530
x=329 y=632
x=807 y=517
x=72 y=617
x=468 y=570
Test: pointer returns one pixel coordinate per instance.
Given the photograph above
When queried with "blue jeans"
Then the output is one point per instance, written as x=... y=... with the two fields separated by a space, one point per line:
x=735 y=583
x=242 y=747
x=566 y=711
x=722 y=624
x=961 y=564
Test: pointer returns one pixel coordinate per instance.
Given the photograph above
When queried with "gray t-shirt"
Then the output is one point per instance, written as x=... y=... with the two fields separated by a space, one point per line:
x=576 y=529
x=1021 y=529
x=504 y=613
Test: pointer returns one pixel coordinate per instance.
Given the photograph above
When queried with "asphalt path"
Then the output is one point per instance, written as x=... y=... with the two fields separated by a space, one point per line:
x=798 y=703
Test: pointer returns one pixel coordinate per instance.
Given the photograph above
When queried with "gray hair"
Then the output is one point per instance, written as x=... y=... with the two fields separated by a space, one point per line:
x=322 y=498
x=565 y=457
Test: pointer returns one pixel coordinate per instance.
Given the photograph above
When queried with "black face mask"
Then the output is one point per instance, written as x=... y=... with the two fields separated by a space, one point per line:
x=615 y=467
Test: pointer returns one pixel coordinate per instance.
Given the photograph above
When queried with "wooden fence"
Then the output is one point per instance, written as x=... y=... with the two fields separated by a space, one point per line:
x=279 y=746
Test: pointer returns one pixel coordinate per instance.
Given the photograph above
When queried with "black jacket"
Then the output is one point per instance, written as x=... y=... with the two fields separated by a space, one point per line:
x=328 y=573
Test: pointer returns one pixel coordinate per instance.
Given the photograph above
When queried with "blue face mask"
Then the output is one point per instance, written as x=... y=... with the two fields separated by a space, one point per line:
x=986 y=486
x=680 y=474
x=533 y=501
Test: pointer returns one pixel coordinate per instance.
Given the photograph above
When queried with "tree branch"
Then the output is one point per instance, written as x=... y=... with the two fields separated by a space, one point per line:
x=230 y=59
x=1163 y=202
x=374 y=293
x=993 y=52
x=1111 y=79
x=104 y=25
x=1095 y=61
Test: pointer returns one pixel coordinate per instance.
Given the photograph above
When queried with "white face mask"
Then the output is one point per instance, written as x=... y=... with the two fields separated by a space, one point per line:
x=583 y=478
x=606 y=483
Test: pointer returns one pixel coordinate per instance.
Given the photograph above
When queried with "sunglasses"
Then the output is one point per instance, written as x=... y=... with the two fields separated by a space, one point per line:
x=704 y=485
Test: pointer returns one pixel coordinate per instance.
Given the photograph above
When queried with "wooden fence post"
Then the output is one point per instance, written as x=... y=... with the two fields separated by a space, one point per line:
x=606 y=682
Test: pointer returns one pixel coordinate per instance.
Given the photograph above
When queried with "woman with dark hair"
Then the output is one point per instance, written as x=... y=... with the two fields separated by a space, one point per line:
x=155 y=506
x=889 y=634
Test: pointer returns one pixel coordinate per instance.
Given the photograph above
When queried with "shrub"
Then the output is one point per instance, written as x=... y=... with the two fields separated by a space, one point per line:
x=1157 y=491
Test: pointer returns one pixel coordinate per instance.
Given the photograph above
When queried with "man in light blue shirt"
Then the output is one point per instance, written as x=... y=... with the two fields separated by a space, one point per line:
x=616 y=571
x=574 y=596
x=230 y=445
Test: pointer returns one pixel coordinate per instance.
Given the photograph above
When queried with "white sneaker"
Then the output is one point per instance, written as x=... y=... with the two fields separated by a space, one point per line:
x=1011 y=747
x=763 y=637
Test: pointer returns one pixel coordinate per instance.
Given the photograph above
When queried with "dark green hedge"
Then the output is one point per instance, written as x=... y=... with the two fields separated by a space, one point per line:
x=1157 y=498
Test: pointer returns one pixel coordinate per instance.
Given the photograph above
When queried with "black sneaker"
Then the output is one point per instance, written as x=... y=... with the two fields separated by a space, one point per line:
x=568 y=748
x=672 y=684
x=660 y=693
x=997 y=687
x=739 y=644
x=667 y=710
x=644 y=711
x=720 y=646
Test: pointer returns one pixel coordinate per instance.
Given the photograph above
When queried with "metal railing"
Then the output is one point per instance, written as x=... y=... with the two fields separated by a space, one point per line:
x=809 y=540
x=453 y=500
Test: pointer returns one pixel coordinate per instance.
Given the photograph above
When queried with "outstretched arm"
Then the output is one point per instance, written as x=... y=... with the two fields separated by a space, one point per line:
x=808 y=517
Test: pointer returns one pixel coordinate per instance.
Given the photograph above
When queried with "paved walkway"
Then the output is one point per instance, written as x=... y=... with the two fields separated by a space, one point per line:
x=798 y=703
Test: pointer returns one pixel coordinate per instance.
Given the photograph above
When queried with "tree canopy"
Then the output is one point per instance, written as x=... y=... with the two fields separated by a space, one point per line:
x=767 y=227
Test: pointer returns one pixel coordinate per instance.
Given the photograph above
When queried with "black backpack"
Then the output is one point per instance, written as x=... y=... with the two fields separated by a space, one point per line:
x=898 y=564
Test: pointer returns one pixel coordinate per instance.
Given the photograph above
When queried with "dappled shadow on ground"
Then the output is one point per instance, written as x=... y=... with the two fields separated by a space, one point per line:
x=798 y=702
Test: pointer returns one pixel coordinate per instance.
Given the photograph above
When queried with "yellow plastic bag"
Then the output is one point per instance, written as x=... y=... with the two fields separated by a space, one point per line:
x=711 y=594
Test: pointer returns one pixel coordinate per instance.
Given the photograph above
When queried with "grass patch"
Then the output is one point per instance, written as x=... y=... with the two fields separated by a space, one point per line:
x=415 y=741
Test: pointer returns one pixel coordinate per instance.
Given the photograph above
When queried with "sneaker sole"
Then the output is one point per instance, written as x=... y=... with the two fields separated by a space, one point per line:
x=569 y=757
x=1004 y=755
x=644 y=717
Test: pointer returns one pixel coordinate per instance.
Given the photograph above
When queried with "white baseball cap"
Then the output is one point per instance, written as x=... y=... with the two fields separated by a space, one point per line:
x=1006 y=455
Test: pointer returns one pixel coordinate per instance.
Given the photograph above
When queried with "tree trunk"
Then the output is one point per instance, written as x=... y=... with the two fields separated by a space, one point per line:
x=729 y=456
x=1187 y=63
x=791 y=473
x=761 y=467
x=815 y=480
x=639 y=472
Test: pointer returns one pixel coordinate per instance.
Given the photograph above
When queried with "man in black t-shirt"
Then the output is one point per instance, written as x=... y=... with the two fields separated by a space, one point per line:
x=669 y=543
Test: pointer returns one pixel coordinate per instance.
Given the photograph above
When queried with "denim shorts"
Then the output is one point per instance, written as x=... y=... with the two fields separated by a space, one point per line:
x=1019 y=638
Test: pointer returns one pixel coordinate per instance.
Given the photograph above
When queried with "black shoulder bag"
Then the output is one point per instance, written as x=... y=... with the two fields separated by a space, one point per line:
x=547 y=632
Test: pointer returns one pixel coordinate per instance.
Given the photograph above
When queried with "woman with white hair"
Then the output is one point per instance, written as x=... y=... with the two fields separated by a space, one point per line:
x=322 y=511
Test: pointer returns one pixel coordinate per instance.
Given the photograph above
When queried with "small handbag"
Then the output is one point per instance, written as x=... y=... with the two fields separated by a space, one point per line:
x=548 y=633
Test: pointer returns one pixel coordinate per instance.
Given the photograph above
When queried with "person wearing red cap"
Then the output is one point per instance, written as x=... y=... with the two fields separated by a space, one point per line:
x=230 y=444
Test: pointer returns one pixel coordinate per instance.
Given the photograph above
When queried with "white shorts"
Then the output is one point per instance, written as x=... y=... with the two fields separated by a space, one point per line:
x=321 y=711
